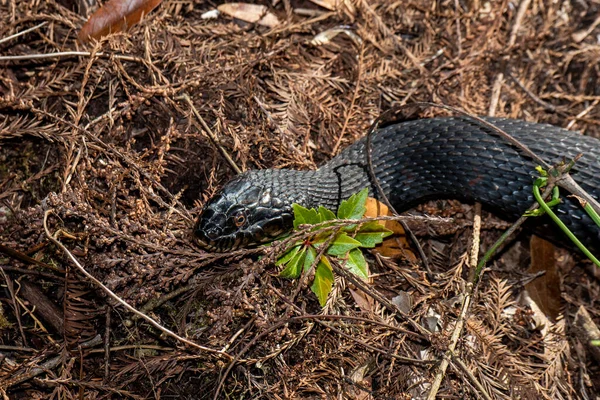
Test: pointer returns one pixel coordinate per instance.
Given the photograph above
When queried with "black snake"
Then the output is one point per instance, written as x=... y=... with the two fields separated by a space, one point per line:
x=413 y=161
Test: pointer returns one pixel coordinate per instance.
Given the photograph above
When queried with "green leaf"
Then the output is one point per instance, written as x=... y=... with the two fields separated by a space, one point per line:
x=294 y=266
x=304 y=215
x=342 y=245
x=288 y=255
x=326 y=214
x=371 y=234
x=357 y=264
x=354 y=207
x=320 y=238
x=309 y=259
x=323 y=282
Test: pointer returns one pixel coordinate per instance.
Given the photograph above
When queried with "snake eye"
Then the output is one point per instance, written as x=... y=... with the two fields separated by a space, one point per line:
x=239 y=219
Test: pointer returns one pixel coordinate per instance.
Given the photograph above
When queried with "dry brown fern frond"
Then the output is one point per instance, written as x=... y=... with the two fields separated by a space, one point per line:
x=79 y=311
x=17 y=125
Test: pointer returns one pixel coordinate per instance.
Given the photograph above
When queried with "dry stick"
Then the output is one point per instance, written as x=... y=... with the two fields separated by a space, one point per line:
x=497 y=88
x=17 y=348
x=282 y=135
x=547 y=106
x=27 y=259
x=13 y=297
x=210 y=134
x=582 y=114
x=16 y=35
x=107 y=348
x=48 y=365
x=458 y=327
x=121 y=301
x=380 y=298
x=31 y=272
x=380 y=192
x=70 y=54
x=459 y=365
x=354 y=97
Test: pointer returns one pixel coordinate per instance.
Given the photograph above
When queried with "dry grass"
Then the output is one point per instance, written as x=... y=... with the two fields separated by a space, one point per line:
x=109 y=144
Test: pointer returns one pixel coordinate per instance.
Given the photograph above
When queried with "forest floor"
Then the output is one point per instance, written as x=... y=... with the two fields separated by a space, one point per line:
x=111 y=148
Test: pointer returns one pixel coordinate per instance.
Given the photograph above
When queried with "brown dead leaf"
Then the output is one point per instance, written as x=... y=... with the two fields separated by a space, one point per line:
x=544 y=290
x=115 y=16
x=363 y=300
x=252 y=13
x=334 y=5
x=395 y=246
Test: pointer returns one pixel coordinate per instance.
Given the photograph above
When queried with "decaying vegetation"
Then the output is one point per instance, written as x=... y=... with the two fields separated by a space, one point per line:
x=118 y=144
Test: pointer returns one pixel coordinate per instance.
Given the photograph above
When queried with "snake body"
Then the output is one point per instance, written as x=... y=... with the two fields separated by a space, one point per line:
x=413 y=161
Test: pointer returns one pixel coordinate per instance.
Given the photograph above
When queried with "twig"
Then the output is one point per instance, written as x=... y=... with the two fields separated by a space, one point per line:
x=381 y=193
x=547 y=106
x=583 y=113
x=211 y=135
x=16 y=35
x=458 y=327
x=523 y=6
x=439 y=376
x=120 y=300
x=17 y=348
x=13 y=297
x=580 y=35
x=352 y=102
x=48 y=365
x=107 y=348
x=380 y=298
x=508 y=233
x=457 y=362
x=26 y=259
x=70 y=54
x=497 y=88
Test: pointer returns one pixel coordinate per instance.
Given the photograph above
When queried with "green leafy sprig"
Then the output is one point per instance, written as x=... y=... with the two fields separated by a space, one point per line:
x=545 y=208
x=342 y=243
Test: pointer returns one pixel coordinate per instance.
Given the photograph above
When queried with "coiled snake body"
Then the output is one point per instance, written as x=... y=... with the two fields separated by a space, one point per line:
x=413 y=161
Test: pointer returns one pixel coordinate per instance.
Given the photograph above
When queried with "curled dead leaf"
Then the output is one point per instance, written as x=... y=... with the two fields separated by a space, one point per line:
x=115 y=16
x=253 y=13
x=395 y=246
x=545 y=289
x=326 y=36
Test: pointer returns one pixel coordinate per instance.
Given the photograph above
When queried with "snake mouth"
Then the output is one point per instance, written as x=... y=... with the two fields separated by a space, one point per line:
x=202 y=243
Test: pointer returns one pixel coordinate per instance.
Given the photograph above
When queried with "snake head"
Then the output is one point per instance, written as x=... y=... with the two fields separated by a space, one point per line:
x=244 y=213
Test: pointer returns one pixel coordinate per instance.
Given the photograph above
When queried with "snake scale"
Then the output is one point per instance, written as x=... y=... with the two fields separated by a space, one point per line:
x=414 y=161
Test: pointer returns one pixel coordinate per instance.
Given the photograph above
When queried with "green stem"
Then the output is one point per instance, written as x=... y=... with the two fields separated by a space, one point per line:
x=592 y=213
x=557 y=221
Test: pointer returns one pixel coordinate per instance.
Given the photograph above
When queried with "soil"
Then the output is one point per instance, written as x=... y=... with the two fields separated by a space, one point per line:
x=116 y=150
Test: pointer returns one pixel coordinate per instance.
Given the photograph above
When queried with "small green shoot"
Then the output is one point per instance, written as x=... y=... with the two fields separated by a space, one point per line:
x=343 y=243
x=545 y=208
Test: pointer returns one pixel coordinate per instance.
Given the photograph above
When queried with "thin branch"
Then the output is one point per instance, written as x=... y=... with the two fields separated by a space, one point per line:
x=16 y=35
x=120 y=300
x=439 y=376
x=61 y=54
x=211 y=135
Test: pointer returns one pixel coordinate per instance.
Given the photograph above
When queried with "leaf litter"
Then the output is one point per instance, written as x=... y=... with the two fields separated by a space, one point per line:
x=102 y=136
